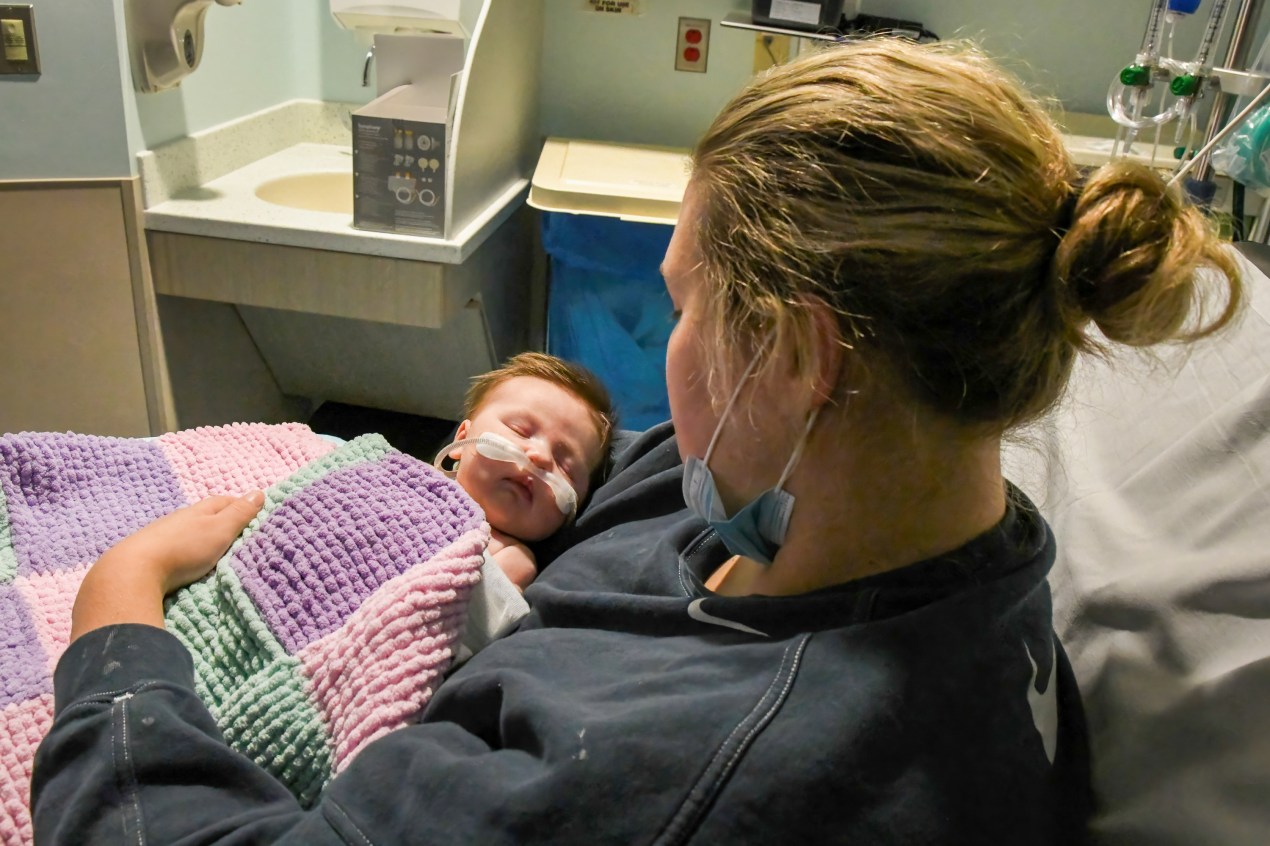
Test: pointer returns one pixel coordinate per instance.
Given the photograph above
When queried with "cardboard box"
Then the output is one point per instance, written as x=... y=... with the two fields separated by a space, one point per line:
x=399 y=165
x=401 y=138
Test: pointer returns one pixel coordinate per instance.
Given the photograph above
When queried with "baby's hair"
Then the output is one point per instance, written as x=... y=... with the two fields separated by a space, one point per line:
x=928 y=201
x=574 y=378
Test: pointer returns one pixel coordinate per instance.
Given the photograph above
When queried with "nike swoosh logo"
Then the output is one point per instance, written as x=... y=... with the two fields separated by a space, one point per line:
x=695 y=612
x=1044 y=706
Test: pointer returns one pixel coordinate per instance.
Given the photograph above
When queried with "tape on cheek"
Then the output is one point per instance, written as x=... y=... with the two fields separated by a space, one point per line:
x=499 y=448
x=566 y=497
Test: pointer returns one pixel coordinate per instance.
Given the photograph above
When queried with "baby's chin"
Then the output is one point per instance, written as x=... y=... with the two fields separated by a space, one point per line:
x=537 y=532
x=525 y=530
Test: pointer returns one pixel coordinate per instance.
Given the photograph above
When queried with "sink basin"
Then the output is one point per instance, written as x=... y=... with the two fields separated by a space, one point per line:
x=324 y=192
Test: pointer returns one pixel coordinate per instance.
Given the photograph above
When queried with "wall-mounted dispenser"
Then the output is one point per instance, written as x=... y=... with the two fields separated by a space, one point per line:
x=402 y=17
x=166 y=40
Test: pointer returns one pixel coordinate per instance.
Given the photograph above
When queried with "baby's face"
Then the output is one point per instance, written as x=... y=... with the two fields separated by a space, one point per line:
x=557 y=433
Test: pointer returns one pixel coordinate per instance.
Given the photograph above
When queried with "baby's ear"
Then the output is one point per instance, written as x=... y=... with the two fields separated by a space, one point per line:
x=460 y=434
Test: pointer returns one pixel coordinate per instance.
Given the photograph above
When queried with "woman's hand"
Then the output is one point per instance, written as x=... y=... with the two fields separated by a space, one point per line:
x=129 y=581
x=181 y=547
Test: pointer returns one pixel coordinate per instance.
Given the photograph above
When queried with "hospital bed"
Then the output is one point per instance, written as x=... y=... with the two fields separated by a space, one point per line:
x=1155 y=476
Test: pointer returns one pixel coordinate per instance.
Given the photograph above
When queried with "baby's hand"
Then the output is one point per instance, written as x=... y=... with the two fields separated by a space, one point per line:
x=513 y=558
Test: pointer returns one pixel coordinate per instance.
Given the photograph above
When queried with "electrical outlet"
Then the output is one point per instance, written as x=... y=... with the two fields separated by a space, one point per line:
x=693 y=45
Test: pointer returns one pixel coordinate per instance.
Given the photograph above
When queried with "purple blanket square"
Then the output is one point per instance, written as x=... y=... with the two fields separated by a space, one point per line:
x=23 y=666
x=317 y=564
x=72 y=497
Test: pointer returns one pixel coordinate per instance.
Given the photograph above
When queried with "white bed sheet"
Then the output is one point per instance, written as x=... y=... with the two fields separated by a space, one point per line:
x=1155 y=476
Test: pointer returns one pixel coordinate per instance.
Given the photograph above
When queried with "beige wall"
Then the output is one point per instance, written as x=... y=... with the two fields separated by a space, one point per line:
x=73 y=355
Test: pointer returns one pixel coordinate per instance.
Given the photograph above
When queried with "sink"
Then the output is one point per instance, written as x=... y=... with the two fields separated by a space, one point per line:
x=324 y=192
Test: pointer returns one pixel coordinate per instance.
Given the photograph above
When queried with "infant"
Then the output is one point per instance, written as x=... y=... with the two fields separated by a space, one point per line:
x=532 y=445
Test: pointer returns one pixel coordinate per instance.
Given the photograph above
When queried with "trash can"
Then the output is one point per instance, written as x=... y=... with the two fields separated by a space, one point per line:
x=608 y=309
x=609 y=214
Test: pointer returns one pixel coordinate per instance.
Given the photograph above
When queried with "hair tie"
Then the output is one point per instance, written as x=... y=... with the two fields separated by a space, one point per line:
x=1066 y=213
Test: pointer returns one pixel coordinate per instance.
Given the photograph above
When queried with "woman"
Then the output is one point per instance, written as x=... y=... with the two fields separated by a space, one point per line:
x=884 y=262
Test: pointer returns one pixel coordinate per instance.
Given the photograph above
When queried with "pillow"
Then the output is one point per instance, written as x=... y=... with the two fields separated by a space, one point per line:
x=1155 y=476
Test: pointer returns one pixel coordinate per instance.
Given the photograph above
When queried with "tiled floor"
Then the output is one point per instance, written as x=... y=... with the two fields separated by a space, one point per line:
x=421 y=437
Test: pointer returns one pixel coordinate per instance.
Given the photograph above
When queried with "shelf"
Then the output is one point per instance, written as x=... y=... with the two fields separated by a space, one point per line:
x=1241 y=83
x=742 y=20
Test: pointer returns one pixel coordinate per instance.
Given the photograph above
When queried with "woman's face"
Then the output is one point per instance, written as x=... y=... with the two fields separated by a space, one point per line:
x=686 y=369
x=751 y=444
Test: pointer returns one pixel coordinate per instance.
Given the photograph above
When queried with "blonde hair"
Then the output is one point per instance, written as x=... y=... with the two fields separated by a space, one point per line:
x=574 y=378
x=923 y=196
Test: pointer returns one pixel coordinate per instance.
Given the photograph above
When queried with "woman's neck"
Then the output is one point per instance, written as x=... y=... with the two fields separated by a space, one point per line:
x=869 y=505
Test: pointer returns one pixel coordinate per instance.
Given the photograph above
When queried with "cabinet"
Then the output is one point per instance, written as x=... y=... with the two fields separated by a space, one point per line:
x=77 y=339
x=389 y=333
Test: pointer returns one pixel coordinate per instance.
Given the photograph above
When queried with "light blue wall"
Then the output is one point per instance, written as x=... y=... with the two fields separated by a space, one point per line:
x=611 y=77
x=259 y=54
x=337 y=62
x=1070 y=49
x=604 y=76
x=254 y=56
x=69 y=121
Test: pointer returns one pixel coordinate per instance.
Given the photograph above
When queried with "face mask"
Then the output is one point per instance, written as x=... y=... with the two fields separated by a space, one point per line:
x=758 y=529
x=499 y=448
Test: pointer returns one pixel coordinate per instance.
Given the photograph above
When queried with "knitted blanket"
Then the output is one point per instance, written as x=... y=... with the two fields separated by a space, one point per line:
x=326 y=625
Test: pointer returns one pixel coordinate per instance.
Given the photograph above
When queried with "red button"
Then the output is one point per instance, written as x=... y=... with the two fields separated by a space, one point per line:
x=692 y=54
x=693 y=36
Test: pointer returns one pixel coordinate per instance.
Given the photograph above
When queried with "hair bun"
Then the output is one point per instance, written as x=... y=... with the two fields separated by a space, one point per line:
x=1129 y=258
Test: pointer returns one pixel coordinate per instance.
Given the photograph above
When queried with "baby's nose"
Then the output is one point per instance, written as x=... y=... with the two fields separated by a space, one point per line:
x=538 y=453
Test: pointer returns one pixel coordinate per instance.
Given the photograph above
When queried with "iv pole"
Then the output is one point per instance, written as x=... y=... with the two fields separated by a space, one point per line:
x=1236 y=56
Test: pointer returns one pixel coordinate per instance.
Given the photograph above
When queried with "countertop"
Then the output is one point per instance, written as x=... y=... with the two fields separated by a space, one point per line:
x=205 y=184
x=227 y=207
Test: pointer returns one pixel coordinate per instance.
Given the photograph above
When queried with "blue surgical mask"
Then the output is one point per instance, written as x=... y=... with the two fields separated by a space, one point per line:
x=758 y=529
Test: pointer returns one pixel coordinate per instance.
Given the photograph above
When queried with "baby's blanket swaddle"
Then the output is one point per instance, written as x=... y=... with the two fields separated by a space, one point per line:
x=326 y=625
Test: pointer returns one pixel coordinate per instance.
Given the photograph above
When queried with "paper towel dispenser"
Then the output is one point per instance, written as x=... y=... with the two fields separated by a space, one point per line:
x=400 y=17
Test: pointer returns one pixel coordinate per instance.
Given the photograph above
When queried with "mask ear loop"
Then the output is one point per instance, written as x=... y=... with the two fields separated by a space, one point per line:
x=736 y=392
x=798 y=450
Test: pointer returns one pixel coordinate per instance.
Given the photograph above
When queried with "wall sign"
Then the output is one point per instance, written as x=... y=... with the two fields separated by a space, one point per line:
x=617 y=7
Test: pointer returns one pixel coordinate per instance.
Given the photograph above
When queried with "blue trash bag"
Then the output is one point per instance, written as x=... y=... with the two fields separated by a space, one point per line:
x=608 y=309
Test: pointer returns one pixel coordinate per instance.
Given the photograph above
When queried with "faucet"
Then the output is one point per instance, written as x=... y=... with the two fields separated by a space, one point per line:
x=370 y=58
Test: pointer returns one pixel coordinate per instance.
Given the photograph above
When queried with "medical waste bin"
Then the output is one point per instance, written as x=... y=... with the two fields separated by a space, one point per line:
x=608 y=310
x=609 y=214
